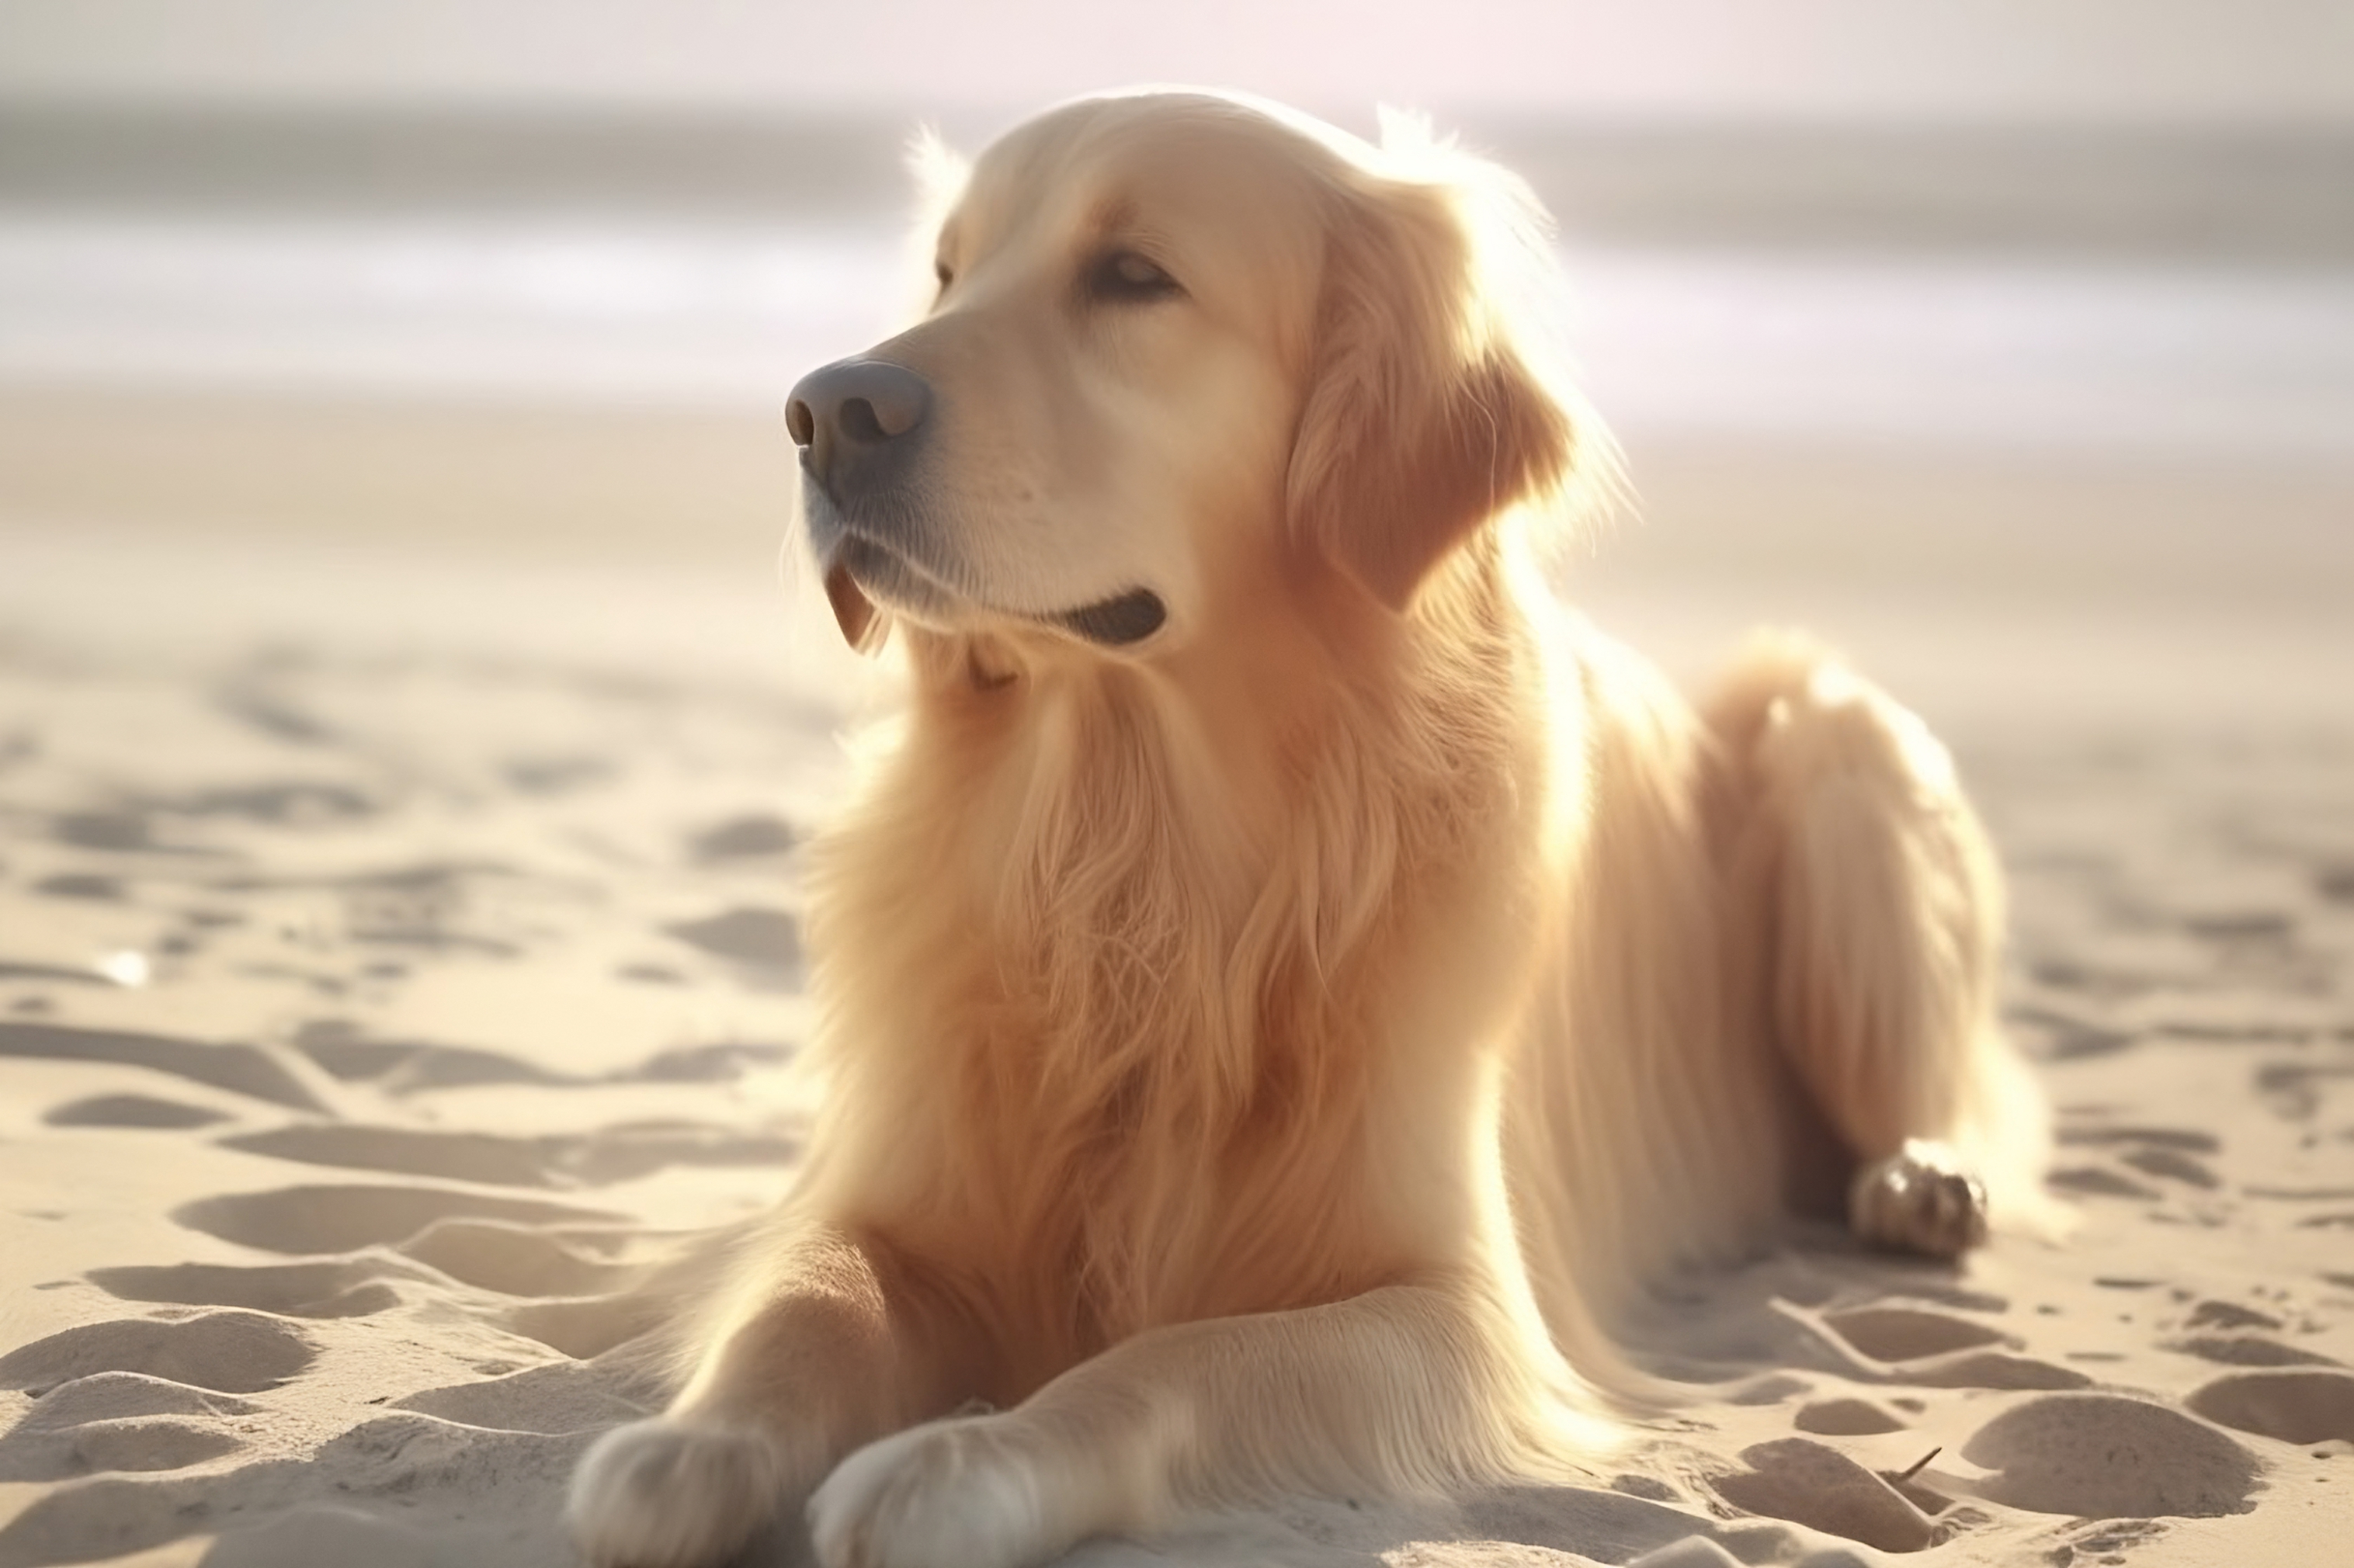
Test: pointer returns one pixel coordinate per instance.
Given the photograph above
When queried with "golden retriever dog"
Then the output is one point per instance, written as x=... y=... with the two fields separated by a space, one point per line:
x=1286 y=988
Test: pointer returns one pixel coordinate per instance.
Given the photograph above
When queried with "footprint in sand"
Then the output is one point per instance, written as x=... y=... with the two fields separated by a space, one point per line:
x=565 y=1396
x=2292 y=1404
x=2295 y=1090
x=2180 y=1140
x=402 y=1067
x=2059 y=1037
x=1992 y=1370
x=457 y=1156
x=229 y=1352
x=1940 y=1349
x=614 y=1154
x=762 y=946
x=491 y=1243
x=2085 y=1454
x=33 y=1453
x=407 y=1451
x=123 y=1395
x=755 y=836
x=408 y=1066
x=1691 y=1551
x=1809 y=1483
x=584 y=1330
x=134 y=1111
x=512 y=1259
x=2099 y=1182
x=437 y=1472
x=120 y=1421
x=2172 y=1165
x=1847 y=1418
x=2229 y=1315
x=246 y=1070
x=2247 y=1350
x=332 y=1288
x=1909 y=1333
x=1549 y=1520
x=720 y=1062
x=345 y=1219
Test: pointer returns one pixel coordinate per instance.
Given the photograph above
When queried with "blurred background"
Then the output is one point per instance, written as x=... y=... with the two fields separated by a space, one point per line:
x=2011 y=343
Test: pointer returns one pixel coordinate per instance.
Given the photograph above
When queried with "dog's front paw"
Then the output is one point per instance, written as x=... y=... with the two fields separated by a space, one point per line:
x=1921 y=1200
x=961 y=1493
x=665 y=1494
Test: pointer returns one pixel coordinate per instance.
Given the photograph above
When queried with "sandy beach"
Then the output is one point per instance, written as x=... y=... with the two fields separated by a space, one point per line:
x=410 y=716
x=399 y=947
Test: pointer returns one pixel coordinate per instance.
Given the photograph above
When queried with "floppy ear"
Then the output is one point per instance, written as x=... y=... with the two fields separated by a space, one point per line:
x=1423 y=418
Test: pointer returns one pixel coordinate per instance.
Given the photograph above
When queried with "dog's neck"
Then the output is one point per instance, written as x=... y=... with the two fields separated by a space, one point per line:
x=1315 y=720
x=1259 y=792
x=1157 y=913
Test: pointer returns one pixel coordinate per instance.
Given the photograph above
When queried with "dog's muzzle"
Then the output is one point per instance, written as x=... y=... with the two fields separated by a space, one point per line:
x=860 y=424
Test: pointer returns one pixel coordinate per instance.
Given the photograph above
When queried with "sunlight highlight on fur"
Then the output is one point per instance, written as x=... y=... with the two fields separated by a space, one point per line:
x=1281 y=1050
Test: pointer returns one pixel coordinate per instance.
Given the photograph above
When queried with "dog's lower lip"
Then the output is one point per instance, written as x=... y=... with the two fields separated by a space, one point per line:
x=853 y=613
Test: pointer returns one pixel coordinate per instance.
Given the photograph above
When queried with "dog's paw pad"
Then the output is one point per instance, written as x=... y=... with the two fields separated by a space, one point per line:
x=661 y=1494
x=1919 y=1200
x=949 y=1494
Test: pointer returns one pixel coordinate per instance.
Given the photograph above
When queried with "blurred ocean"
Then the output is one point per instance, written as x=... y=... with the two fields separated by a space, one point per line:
x=2073 y=289
x=2067 y=411
x=2115 y=353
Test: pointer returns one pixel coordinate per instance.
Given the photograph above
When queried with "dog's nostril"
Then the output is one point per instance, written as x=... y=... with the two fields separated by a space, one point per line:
x=857 y=421
x=856 y=405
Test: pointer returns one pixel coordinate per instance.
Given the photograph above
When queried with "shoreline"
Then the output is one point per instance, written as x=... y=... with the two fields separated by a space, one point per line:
x=1995 y=590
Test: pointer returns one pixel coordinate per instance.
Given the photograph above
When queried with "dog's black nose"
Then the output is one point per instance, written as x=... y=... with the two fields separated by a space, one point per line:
x=856 y=420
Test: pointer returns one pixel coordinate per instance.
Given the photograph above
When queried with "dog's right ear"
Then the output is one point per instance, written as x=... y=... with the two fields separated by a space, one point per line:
x=1424 y=415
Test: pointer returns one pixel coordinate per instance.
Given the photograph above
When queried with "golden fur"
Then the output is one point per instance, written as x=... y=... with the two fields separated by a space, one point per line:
x=1273 y=1054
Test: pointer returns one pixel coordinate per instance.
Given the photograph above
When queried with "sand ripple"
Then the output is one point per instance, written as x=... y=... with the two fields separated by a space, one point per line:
x=368 y=1032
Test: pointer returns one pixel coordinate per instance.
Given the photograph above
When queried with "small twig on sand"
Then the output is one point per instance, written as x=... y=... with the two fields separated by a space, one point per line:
x=1921 y=1462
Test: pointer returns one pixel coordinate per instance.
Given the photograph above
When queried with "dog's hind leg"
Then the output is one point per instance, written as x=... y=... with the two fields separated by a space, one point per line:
x=1872 y=910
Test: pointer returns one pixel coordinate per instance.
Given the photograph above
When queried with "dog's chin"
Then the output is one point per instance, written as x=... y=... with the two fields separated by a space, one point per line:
x=864 y=578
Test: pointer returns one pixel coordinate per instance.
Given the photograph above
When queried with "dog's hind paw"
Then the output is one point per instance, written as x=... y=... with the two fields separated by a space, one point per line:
x=1919 y=1200
x=662 y=1494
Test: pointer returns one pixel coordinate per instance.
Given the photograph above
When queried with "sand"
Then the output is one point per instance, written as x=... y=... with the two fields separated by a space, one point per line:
x=396 y=950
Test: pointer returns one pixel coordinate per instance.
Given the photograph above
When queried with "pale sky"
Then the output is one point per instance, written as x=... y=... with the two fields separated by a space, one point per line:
x=2198 y=60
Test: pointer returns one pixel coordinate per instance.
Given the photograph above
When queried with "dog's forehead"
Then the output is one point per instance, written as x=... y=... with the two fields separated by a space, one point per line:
x=1158 y=161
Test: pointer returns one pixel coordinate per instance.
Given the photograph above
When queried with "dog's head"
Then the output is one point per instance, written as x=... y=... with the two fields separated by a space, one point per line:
x=1184 y=345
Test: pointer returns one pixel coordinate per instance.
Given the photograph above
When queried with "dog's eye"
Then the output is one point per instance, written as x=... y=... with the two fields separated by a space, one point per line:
x=1126 y=277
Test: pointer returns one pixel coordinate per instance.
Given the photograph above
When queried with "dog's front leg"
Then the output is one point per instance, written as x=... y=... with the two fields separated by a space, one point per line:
x=1405 y=1385
x=821 y=1344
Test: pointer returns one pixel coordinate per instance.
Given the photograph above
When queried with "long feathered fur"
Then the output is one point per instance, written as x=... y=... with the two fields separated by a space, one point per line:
x=1285 y=1060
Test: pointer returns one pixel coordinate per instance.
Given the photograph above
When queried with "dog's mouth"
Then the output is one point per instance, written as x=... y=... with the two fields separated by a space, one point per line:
x=862 y=572
x=1120 y=621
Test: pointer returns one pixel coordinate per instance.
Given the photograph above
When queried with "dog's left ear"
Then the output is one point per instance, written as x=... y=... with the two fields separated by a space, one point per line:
x=1423 y=416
